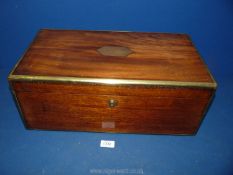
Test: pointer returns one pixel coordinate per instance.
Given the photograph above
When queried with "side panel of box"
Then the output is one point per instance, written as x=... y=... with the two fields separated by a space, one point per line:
x=84 y=107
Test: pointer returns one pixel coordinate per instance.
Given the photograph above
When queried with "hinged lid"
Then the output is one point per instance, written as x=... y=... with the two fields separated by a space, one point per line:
x=114 y=58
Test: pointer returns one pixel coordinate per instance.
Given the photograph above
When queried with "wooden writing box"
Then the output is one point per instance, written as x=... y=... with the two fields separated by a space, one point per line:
x=104 y=81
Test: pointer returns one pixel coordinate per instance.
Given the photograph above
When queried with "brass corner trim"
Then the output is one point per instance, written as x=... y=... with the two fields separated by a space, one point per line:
x=205 y=65
x=112 y=81
x=21 y=58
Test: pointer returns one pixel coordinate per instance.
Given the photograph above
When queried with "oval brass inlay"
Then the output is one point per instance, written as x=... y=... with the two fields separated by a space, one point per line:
x=114 y=51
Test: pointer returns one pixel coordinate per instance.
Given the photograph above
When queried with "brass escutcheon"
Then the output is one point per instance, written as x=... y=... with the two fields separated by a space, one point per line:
x=112 y=103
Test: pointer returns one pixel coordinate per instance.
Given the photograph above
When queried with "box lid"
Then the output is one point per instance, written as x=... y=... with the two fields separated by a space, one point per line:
x=114 y=58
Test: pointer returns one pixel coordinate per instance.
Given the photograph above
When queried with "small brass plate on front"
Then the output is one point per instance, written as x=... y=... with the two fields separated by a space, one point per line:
x=108 y=125
x=114 y=51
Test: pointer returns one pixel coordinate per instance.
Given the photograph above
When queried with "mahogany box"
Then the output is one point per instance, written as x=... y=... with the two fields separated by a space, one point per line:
x=110 y=81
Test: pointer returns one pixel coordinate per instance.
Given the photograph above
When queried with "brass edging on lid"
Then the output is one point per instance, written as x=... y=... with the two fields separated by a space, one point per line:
x=111 y=81
x=16 y=65
x=211 y=76
x=212 y=85
x=21 y=58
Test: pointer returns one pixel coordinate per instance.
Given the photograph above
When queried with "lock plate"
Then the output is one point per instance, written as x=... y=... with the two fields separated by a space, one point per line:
x=112 y=103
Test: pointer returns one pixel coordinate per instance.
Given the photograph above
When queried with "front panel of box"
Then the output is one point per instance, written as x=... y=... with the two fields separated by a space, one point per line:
x=109 y=108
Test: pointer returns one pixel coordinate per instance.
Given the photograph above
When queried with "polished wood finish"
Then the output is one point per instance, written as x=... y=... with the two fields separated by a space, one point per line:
x=112 y=89
x=149 y=109
x=84 y=107
x=156 y=56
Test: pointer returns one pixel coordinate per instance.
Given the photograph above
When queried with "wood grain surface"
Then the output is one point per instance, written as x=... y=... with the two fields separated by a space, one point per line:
x=132 y=90
x=57 y=105
x=155 y=56
x=85 y=107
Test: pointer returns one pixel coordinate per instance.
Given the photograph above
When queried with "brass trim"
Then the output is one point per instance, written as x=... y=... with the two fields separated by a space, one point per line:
x=21 y=58
x=211 y=85
x=111 y=81
x=211 y=76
